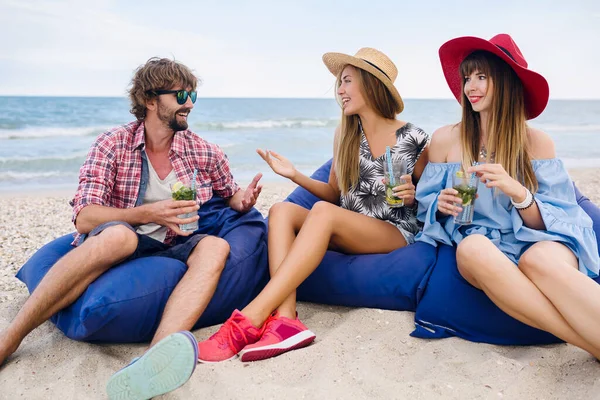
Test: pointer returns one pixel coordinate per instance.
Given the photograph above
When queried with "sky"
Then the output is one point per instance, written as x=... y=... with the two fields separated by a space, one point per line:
x=274 y=48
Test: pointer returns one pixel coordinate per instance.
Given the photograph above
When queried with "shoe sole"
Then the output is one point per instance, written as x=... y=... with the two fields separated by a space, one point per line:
x=216 y=362
x=297 y=341
x=163 y=368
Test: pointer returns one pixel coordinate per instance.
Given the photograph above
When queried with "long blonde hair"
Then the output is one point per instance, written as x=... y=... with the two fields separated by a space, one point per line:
x=507 y=136
x=377 y=97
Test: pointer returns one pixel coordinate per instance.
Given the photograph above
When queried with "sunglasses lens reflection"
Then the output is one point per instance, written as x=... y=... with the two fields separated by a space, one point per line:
x=182 y=96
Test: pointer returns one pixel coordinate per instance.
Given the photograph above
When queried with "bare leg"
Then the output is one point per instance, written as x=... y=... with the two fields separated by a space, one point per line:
x=485 y=267
x=285 y=221
x=326 y=224
x=193 y=293
x=66 y=281
x=553 y=268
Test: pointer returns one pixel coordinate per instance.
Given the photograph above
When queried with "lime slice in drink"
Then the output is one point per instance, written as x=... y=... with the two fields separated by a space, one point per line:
x=460 y=174
x=176 y=186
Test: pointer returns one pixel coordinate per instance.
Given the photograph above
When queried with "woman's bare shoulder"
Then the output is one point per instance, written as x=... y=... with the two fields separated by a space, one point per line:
x=442 y=141
x=541 y=144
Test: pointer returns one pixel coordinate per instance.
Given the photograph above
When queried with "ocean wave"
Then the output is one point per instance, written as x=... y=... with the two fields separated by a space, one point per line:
x=6 y=133
x=37 y=133
x=68 y=163
x=59 y=158
x=24 y=177
x=9 y=125
x=266 y=124
x=567 y=128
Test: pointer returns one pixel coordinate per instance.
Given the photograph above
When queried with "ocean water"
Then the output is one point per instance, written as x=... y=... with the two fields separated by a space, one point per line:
x=44 y=140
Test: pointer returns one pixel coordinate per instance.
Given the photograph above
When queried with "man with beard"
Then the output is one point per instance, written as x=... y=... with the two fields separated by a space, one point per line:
x=123 y=210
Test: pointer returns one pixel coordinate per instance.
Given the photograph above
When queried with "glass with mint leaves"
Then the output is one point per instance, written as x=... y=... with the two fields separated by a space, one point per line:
x=184 y=190
x=466 y=186
x=394 y=167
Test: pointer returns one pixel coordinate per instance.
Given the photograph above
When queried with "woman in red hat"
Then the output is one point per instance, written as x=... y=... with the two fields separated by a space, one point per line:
x=528 y=245
x=353 y=217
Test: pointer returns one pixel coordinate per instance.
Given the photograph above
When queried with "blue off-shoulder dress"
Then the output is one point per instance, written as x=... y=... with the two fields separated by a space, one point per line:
x=498 y=220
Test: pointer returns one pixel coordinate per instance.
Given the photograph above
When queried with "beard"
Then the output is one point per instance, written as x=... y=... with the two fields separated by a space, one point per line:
x=170 y=118
x=177 y=125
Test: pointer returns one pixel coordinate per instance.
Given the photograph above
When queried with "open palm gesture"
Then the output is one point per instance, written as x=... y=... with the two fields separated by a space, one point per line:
x=251 y=194
x=278 y=163
x=243 y=200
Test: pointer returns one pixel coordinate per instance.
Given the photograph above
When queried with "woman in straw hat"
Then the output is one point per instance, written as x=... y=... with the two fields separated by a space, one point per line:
x=362 y=223
x=530 y=247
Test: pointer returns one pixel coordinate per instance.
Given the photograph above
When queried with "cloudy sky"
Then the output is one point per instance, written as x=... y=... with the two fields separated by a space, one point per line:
x=274 y=48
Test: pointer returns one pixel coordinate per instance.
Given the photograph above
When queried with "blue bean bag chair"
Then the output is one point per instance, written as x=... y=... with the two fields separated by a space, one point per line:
x=450 y=306
x=125 y=304
x=390 y=281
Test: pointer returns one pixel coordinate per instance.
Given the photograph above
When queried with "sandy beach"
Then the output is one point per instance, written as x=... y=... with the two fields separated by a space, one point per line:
x=358 y=354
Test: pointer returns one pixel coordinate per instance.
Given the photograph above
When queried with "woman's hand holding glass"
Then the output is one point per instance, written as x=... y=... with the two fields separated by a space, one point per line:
x=495 y=176
x=406 y=190
x=447 y=202
x=492 y=176
x=278 y=163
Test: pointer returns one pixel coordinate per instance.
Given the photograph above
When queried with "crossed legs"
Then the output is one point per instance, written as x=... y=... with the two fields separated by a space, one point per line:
x=546 y=291
x=298 y=240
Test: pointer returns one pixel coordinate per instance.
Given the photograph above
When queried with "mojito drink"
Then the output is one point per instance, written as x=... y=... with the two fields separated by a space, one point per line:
x=466 y=186
x=399 y=168
x=183 y=191
x=392 y=200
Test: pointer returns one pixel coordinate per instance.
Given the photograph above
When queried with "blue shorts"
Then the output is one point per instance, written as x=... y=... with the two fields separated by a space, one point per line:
x=147 y=246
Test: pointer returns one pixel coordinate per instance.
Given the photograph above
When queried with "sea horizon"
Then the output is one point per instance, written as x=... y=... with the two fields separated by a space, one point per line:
x=45 y=139
x=259 y=97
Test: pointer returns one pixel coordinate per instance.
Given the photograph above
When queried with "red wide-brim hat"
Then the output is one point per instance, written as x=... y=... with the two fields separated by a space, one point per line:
x=535 y=86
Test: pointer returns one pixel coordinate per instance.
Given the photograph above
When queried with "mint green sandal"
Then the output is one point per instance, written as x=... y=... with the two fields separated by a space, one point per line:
x=163 y=368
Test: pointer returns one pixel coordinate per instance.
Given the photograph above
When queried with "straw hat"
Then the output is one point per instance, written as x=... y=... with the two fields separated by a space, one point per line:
x=535 y=86
x=370 y=60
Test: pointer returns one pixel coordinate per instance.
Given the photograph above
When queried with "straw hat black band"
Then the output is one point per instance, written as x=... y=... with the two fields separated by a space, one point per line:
x=372 y=61
x=373 y=65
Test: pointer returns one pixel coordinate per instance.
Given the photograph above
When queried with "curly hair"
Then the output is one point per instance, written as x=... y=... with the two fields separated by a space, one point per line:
x=157 y=73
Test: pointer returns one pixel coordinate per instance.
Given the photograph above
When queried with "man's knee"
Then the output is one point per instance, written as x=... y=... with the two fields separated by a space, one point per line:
x=213 y=248
x=116 y=238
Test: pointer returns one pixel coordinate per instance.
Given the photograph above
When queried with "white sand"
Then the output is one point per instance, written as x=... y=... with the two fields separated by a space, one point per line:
x=358 y=354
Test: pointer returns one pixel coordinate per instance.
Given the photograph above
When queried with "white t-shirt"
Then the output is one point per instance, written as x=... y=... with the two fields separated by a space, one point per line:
x=157 y=190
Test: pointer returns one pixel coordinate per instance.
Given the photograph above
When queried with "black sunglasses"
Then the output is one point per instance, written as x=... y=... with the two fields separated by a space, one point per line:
x=182 y=95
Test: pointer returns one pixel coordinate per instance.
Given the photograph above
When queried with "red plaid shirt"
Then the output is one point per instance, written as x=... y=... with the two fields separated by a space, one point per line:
x=112 y=173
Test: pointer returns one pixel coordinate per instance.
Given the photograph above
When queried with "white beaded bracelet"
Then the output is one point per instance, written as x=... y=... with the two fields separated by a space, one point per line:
x=525 y=203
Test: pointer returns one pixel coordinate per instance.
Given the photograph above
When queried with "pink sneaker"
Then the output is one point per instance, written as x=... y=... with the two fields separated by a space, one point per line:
x=227 y=342
x=281 y=334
